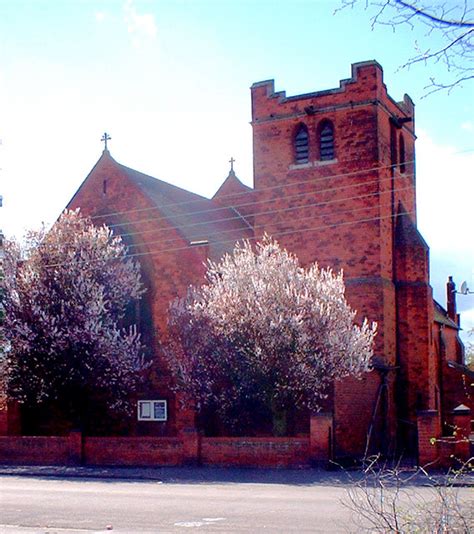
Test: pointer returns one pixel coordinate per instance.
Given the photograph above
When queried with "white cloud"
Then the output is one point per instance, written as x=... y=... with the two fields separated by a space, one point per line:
x=140 y=26
x=444 y=196
x=99 y=16
x=468 y=125
x=444 y=192
x=467 y=325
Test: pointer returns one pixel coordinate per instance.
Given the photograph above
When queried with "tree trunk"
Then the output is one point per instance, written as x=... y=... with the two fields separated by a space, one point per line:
x=279 y=420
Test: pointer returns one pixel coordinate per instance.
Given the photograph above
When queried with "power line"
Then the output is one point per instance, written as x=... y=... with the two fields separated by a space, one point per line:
x=243 y=216
x=247 y=204
x=262 y=213
x=276 y=212
x=243 y=193
x=258 y=191
x=310 y=181
x=288 y=232
x=252 y=238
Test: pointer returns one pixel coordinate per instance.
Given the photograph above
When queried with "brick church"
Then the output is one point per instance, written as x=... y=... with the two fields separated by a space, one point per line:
x=334 y=182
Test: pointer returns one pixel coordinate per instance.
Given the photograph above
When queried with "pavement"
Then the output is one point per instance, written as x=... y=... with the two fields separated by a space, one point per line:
x=218 y=475
x=184 y=475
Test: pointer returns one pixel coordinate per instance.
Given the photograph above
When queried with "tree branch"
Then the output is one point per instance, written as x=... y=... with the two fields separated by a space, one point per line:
x=452 y=25
x=433 y=18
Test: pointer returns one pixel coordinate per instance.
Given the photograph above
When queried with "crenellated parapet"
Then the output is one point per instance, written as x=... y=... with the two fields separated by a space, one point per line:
x=365 y=86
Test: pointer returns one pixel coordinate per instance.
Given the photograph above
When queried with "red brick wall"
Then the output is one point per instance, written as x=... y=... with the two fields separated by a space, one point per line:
x=429 y=427
x=418 y=367
x=416 y=360
x=167 y=274
x=133 y=451
x=354 y=402
x=438 y=450
x=334 y=200
x=455 y=388
x=147 y=451
x=38 y=450
x=255 y=452
x=322 y=437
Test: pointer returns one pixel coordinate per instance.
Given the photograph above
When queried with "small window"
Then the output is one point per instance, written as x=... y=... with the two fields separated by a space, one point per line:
x=401 y=148
x=393 y=145
x=302 y=145
x=326 y=141
x=152 y=410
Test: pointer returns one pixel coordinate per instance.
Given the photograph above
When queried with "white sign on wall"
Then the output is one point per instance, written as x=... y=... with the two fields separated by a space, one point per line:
x=152 y=410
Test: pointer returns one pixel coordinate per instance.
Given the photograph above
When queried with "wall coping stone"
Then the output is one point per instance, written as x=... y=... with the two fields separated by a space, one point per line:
x=462 y=409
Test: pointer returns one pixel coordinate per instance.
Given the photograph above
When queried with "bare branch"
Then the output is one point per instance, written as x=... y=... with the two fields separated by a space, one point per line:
x=392 y=499
x=423 y=13
x=452 y=24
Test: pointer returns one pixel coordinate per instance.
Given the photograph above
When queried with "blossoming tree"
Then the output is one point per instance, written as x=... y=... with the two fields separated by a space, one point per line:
x=65 y=302
x=263 y=331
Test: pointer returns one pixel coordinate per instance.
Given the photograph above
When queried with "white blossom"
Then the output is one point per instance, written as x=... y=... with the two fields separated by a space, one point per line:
x=65 y=300
x=265 y=329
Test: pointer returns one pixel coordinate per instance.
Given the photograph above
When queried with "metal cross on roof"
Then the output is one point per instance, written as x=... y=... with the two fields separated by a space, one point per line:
x=106 y=137
x=232 y=161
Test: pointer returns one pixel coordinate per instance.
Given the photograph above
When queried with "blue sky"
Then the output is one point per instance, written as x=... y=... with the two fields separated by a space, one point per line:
x=170 y=81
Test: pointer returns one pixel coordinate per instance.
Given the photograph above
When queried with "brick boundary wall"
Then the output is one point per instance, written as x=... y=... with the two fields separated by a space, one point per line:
x=40 y=450
x=189 y=447
x=139 y=451
x=436 y=450
x=255 y=452
x=149 y=451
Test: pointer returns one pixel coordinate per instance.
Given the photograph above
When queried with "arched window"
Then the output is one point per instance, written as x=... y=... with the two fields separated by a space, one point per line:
x=301 y=144
x=326 y=141
x=401 y=150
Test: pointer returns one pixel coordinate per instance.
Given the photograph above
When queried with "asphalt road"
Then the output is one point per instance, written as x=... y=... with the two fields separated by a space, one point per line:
x=36 y=505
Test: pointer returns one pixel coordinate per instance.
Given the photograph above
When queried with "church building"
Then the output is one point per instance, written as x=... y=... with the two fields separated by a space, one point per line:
x=334 y=182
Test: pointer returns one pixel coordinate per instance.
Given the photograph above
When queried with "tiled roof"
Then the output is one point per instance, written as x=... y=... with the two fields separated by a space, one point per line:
x=232 y=183
x=464 y=369
x=195 y=217
x=441 y=316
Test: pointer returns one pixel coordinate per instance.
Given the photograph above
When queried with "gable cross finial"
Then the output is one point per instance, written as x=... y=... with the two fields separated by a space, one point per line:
x=106 y=137
x=232 y=161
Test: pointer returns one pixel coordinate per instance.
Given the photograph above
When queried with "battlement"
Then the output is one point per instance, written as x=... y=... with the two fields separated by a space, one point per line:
x=363 y=87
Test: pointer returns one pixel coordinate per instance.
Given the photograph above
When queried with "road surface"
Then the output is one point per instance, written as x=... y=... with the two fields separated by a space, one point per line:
x=73 y=505
x=35 y=505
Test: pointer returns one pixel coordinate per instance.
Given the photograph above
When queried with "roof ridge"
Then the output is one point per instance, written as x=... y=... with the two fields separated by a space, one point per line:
x=231 y=177
x=164 y=182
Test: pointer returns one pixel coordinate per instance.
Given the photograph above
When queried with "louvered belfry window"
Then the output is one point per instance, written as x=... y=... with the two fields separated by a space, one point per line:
x=401 y=146
x=326 y=142
x=302 y=145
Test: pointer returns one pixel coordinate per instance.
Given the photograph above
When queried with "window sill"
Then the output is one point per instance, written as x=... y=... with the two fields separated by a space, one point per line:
x=318 y=163
x=321 y=163
x=296 y=166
